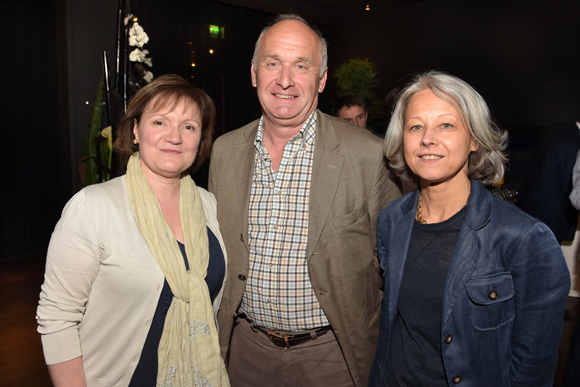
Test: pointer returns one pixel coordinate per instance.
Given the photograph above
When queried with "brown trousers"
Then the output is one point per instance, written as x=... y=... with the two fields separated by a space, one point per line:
x=254 y=361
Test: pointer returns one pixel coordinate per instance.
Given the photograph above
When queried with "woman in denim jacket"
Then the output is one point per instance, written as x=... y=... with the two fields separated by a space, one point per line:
x=474 y=288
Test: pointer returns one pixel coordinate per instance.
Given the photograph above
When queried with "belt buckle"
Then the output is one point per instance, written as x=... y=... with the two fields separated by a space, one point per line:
x=276 y=335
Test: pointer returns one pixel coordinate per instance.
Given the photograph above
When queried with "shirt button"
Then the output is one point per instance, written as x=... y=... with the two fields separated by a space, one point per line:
x=270 y=264
x=448 y=339
x=275 y=227
x=242 y=277
x=269 y=301
x=456 y=379
x=492 y=295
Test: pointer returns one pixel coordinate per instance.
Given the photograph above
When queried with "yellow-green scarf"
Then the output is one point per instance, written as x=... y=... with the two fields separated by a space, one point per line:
x=189 y=353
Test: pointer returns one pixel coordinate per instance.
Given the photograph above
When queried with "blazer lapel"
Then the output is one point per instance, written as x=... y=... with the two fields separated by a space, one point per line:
x=244 y=169
x=399 y=241
x=326 y=172
x=466 y=253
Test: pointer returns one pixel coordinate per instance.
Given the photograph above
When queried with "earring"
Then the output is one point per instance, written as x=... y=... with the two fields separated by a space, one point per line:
x=135 y=141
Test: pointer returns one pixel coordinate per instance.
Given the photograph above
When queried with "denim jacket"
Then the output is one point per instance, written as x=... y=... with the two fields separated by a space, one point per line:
x=504 y=298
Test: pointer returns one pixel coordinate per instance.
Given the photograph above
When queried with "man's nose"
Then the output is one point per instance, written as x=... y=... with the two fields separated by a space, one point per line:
x=286 y=77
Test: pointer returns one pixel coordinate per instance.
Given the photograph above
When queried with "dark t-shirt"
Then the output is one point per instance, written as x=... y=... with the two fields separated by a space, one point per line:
x=146 y=371
x=415 y=357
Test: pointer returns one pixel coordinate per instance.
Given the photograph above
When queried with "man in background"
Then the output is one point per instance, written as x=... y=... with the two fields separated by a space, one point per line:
x=548 y=183
x=351 y=108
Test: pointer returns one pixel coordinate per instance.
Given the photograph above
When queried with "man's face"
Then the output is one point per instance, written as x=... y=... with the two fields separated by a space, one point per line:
x=287 y=74
x=356 y=115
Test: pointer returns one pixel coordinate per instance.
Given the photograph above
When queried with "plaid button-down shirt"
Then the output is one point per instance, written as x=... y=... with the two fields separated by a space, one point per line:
x=278 y=292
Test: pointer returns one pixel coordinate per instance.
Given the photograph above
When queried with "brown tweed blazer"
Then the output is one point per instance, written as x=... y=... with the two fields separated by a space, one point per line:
x=349 y=188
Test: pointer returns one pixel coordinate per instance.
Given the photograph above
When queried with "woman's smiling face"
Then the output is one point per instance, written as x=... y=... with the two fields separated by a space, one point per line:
x=436 y=142
x=169 y=137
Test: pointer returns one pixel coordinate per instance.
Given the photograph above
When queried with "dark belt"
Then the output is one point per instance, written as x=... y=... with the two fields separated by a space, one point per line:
x=291 y=340
x=286 y=341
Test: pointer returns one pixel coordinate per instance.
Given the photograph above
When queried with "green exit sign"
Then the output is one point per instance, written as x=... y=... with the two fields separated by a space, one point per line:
x=216 y=31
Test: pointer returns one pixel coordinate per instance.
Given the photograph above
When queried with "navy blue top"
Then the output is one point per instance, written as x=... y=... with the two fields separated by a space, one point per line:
x=415 y=355
x=146 y=371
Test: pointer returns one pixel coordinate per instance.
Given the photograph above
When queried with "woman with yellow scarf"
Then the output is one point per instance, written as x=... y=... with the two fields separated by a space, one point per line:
x=135 y=263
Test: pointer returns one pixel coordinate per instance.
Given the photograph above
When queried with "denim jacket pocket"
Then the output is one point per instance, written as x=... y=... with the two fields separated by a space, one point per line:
x=492 y=301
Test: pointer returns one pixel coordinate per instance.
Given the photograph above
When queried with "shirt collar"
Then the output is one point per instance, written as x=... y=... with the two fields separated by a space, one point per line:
x=306 y=133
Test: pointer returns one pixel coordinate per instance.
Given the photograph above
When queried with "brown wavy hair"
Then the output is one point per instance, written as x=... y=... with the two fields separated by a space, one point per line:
x=167 y=90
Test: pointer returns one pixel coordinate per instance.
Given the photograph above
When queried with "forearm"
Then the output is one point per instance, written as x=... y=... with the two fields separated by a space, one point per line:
x=575 y=194
x=575 y=197
x=68 y=374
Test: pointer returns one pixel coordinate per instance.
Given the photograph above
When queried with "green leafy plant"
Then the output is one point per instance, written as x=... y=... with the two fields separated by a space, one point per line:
x=95 y=164
x=359 y=77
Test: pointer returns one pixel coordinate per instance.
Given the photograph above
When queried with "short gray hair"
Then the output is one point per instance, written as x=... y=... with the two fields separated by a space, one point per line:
x=487 y=163
x=292 y=16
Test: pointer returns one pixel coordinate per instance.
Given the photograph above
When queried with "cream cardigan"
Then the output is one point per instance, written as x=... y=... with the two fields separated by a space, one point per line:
x=102 y=285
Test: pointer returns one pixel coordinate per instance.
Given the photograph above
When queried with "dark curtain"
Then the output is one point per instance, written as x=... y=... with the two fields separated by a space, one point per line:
x=33 y=158
x=179 y=37
x=37 y=152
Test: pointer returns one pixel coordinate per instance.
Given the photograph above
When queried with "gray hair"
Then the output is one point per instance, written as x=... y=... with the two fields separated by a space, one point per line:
x=487 y=163
x=292 y=16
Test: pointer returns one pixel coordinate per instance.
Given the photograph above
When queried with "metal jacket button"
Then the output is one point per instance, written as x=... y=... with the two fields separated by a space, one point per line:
x=242 y=277
x=448 y=339
x=492 y=295
x=456 y=379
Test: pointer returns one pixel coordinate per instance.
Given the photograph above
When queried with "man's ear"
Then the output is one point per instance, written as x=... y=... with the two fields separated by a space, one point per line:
x=253 y=71
x=323 y=81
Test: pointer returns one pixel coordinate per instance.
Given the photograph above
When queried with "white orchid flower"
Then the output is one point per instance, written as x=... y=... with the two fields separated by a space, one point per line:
x=142 y=39
x=138 y=40
x=136 y=29
x=148 y=76
x=136 y=55
x=137 y=36
x=146 y=60
x=126 y=20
